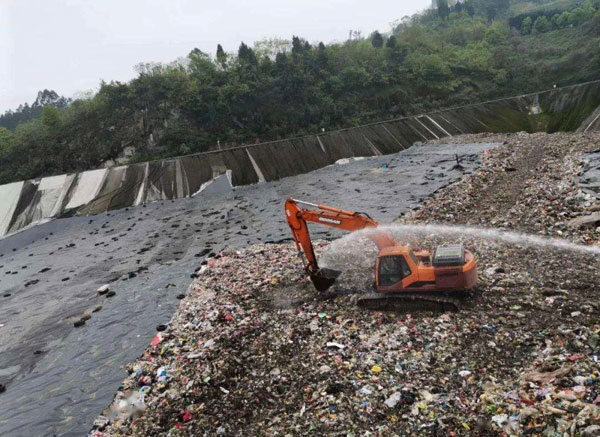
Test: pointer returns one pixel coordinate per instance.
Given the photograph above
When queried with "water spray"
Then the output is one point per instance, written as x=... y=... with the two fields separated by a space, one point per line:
x=517 y=238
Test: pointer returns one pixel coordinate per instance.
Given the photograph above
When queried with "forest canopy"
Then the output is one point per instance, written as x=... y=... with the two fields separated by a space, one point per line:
x=454 y=54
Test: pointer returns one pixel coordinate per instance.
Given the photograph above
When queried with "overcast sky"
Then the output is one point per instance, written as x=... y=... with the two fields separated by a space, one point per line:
x=70 y=45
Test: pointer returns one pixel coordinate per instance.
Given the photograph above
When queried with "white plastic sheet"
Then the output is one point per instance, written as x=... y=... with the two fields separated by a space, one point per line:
x=88 y=185
x=218 y=185
x=50 y=189
x=9 y=197
x=261 y=177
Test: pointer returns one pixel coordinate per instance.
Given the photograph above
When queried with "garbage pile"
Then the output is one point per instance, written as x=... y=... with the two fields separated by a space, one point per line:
x=592 y=168
x=538 y=183
x=254 y=350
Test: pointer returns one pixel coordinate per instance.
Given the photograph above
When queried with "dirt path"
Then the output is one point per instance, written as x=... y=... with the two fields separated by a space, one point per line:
x=508 y=185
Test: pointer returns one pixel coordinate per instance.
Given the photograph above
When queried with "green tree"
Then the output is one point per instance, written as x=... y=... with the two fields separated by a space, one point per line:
x=201 y=67
x=582 y=14
x=322 y=57
x=391 y=42
x=7 y=141
x=469 y=7
x=297 y=46
x=542 y=24
x=554 y=21
x=299 y=49
x=50 y=98
x=565 y=19
x=221 y=56
x=377 y=40
x=24 y=113
x=281 y=63
x=50 y=117
x=443 y=9
x=497 y=32
x=526 y=26
x=494 y=8
x=246 y=55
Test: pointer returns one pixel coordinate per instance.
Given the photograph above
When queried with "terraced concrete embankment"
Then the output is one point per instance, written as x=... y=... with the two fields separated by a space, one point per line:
x=91 y=192
x=592 y=123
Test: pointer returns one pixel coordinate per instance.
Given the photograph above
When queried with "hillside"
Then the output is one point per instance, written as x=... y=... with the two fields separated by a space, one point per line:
x=470 y=52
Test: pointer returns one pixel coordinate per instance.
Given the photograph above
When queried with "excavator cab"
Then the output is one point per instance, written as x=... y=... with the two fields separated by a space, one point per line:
x=391 y=269
x=399 y=268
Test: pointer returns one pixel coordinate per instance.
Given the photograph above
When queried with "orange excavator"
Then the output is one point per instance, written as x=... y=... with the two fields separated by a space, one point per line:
x=403 y=277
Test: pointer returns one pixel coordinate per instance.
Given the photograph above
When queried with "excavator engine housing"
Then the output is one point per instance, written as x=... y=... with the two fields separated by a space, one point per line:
x=400 y=269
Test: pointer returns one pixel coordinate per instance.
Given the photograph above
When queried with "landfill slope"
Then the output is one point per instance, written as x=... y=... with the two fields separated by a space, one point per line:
x=254 y=350
x=50 y=274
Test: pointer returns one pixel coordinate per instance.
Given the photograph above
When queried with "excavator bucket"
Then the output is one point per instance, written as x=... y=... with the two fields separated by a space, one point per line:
x=324 y=278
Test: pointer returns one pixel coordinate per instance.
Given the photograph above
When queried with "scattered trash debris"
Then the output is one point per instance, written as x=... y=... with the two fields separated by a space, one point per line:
x=393 y=400
x=253 y=349
x=79 y=323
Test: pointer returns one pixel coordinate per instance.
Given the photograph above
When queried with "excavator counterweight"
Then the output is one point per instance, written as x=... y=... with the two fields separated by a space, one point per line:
x=400 y=271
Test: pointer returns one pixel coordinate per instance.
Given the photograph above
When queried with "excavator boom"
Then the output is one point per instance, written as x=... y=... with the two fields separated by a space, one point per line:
x=298 y=219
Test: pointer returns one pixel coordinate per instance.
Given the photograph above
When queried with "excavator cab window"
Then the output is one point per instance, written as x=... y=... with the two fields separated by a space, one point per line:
x=392 y=269
x=413 y=257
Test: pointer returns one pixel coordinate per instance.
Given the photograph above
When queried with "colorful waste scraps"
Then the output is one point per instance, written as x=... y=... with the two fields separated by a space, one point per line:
x=245 y=354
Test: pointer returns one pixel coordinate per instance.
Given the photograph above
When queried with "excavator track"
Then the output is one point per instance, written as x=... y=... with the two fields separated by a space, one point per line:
x=411 y=302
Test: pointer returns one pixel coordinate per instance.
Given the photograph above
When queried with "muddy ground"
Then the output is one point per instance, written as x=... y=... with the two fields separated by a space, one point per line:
x=254 y=350
x=58 y=377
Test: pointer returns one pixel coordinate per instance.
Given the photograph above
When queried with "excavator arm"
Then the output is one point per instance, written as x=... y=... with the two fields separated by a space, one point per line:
x=298 y=219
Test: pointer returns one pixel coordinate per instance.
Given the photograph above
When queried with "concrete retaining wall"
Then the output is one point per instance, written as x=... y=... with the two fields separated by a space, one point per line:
x=28 y=202
x=592 y=123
